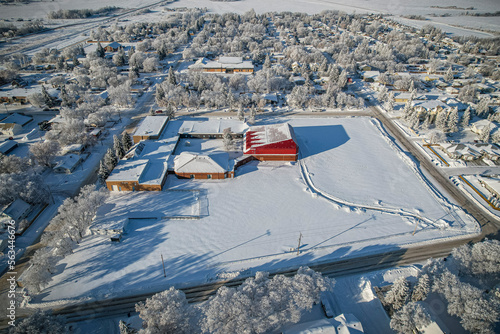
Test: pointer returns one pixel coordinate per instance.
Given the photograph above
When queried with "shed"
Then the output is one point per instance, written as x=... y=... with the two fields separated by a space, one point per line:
x=17 y=210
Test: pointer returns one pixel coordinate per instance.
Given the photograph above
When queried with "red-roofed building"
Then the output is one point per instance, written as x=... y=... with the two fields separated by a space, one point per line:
x=275 y=142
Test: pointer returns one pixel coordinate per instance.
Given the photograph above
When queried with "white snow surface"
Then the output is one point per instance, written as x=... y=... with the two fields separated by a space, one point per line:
x=252 y=222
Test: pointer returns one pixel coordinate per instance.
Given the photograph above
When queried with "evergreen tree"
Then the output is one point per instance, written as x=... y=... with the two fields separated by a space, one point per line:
x=49 y=100
x=103 y=172
x=241 y=113
x=267 y=62
x=422 y=289
x=427 y=122
x=342 y=82
x=410 y=318
x=130 y=52
x=449 y=74
x=39 y=322
x=100 y=50
x=126 y=141
x=452 y=121
x=483 y=108
x=441 y=120
x=466 y=118
x=75 y=61
x=485 y=134
x=117 y=146
x=171 y=77
x=65 y=99
x=398 y=294
x=227 y=139
x=60 y=63
x=110 y=159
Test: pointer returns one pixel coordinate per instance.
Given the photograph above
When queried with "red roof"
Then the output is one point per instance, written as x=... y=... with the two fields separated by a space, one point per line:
x=270 y=139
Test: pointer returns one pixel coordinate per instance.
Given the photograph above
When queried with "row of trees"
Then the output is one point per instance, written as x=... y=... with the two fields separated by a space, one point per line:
x=466 y=281
x=61 y=237
x=259 y=305
x=121 y=144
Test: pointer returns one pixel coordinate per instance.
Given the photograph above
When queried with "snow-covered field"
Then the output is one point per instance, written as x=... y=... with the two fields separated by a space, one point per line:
x=394 y=7
x=252 y=222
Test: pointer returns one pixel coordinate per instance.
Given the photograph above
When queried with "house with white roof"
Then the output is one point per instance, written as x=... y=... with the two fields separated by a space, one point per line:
x=68 y=163
x=342 y=324
x=227 y=65
x=460 y=151
x=7 y=146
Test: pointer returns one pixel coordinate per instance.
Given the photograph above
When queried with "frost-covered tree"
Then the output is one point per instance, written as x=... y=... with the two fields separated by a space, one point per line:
x=466 y=118
x=117 y=146
x=48 y=99
x=171 y=77
x=40 y=322
x=227 y=139
x=119 y=57
x=126 y=141
x=43 y=153
x=103 y=172
x=398 y=294
x=110 y=159
x=483 y=109
x=125 y=328
x=166 y=312
x=261 y=304
x=484 y=136
x=253 y=114
x=241 y=113
x=441 y=118
x=478 y=259
x=452 y=120
x=100 y=50
x=120 y=95
x=421 y=289
x=342 y=82
x=410 y=318
x=151 y=64
x=449 y=74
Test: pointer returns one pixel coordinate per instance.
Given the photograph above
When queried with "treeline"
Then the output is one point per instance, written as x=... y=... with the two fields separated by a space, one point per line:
x=68 y=14
x=497 y=13
x=10 y=30
x=466 y=281
x=260 y=305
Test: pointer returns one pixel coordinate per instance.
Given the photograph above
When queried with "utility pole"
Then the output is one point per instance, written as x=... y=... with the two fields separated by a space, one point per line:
x=298 y=247
x=415 y=230
x=163 y=264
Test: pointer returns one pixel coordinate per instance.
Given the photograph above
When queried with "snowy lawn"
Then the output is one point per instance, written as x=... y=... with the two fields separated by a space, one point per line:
x=253 y=221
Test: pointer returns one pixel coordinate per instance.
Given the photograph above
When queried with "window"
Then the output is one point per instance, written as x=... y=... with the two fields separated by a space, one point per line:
x=209 y=176
x=191 y=176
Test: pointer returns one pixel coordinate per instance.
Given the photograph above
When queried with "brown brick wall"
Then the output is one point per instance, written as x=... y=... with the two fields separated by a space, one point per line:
x=204 y=176
x=275 y=157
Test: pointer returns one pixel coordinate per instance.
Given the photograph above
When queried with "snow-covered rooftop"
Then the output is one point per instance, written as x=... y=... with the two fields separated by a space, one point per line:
x=223 y=62
x=151 y=126
x=192 y=163
x=17 y=119
x=128 y=170
x=212 y=126
x=6 y=146
x=16 y=209
x=268 y=134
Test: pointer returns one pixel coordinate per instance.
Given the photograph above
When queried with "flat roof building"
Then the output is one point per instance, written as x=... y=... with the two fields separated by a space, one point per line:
x=223 y=65
x=151 y=127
